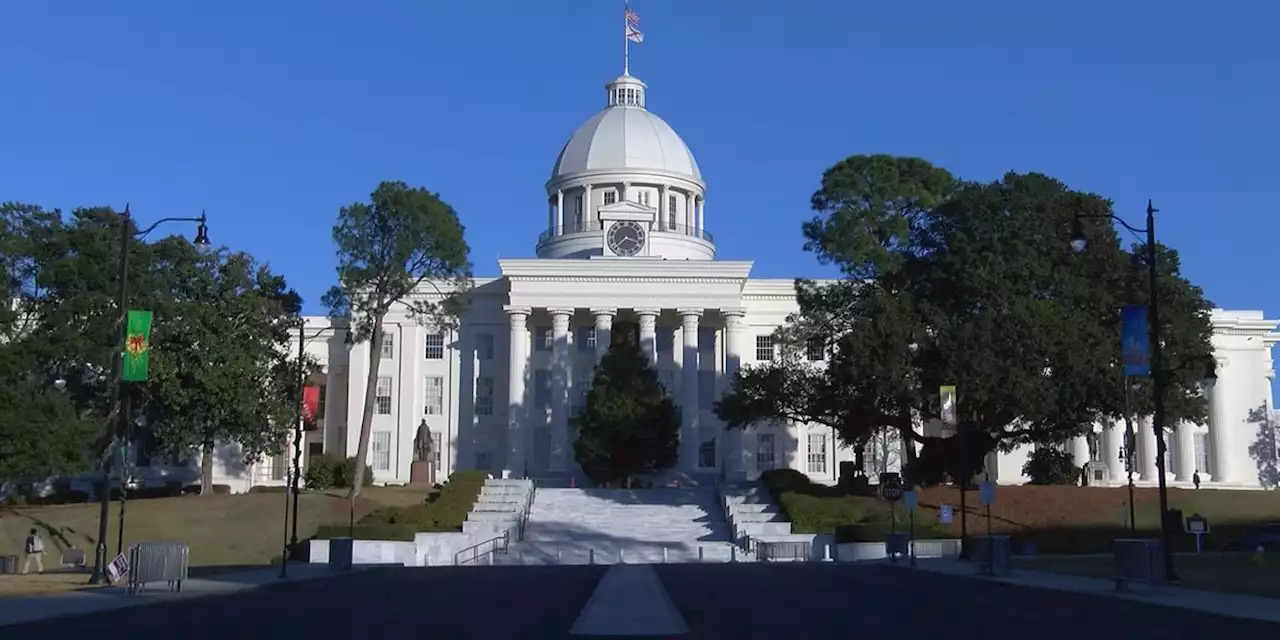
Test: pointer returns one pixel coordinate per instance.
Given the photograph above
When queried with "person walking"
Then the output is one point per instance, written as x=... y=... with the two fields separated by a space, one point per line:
x=33 y=552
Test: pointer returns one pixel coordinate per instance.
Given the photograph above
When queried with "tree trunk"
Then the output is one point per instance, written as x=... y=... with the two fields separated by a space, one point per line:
x=366 y=418
x=206 y=469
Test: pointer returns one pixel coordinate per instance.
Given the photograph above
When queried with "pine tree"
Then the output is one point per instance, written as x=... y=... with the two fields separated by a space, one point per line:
x=629 y=425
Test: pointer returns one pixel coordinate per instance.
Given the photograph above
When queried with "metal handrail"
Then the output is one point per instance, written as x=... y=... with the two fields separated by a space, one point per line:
x=505 y=538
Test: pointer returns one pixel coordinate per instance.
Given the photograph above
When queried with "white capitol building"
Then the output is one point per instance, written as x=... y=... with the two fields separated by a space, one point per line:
x=625 y=242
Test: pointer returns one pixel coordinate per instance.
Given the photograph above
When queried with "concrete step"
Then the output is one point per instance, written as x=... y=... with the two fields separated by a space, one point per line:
x=581 y=553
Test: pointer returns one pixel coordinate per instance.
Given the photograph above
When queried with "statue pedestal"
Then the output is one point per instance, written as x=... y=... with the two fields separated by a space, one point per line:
x=422 y=473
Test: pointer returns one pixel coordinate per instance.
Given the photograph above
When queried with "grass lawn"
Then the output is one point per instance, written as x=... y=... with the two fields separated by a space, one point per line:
x=223 y=531
x=1242 y=573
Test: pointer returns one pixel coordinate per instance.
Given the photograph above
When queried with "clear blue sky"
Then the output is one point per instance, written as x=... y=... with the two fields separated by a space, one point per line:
x=273 y=114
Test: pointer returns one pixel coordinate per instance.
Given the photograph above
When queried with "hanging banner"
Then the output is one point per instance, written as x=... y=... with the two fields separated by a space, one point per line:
x=310 y=407
x=137 y=346
x=947 y=405
x=1135 y=341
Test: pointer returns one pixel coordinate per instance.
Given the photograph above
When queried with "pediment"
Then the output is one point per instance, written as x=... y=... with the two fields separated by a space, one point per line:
x=627 y=210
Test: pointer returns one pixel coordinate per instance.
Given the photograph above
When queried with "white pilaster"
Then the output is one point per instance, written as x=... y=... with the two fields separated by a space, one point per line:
x=604 y=329
x=1220 y=430
x=649 y=333
x=736 y=344
x=1184 y=450
x=560 y=388
x=689 y=407
x=517 y=407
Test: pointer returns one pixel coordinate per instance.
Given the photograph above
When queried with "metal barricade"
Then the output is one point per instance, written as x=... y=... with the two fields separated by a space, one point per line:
x=993 y=555
x=784 y=551
x=9 y=565
x=1137 y=560
x=166 y=562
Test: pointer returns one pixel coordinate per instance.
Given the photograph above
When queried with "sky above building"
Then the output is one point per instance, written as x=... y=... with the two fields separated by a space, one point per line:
x=270 y=116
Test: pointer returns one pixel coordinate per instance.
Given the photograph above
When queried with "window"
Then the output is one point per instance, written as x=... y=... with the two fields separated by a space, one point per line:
x=577 y=214
x=543 y=338
x=643 y=198
x=484 y=346
x=1202 y=452
x=484 y=396
x=666 y=340
x=586 y=339
x=581 y=385
x=388 y=346
x=706 y=389
x=324 y=393
x=542 y=389
x=671 y=211
x=437 y=442
x=817 y=453
x=382 y=396
x=484 y=460
x=764 y=348
x=433 y=392
x=764 y=451
x=380 y=450
x=610 y=197
x=707 y=452
x=435 y=346
x=815 y=349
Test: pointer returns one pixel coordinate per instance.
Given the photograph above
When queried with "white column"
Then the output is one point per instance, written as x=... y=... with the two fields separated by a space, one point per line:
x=516 y=405
x=559 y=213
x=586 y=206
x=1146 y=449
x=1184 y=451
x=1220 y=440
x=649 y=332
x=663 y=213
x=1080 y=451
x=604 y=329
x=1112 y=442
x=559 y=388
x=688 y=214
x=689 y=407
x=736 y=344
x=700 y=203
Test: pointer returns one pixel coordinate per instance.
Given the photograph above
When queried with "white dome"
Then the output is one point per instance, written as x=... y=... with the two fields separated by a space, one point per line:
x=625 y=136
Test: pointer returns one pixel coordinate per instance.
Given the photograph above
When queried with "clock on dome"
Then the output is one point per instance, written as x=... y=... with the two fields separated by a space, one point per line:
x=626 y=238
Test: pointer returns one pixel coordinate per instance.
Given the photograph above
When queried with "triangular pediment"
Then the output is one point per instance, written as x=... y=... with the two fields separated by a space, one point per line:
x=627 y=207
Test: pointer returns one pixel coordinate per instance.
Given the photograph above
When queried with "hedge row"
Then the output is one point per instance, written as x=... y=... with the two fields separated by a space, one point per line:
x=443 y=511
x=815 y=508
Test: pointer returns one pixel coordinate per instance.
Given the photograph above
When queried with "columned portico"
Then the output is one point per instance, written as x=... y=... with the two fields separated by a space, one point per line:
x=518 y=407
x=1219 y=435
x=689 y=407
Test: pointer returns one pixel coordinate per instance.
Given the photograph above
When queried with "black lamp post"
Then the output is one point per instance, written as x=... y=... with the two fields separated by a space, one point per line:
x=127 y=234
x=292 y=489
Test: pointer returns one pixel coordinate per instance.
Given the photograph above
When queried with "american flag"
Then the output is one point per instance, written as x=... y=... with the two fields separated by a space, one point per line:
x=633 y=27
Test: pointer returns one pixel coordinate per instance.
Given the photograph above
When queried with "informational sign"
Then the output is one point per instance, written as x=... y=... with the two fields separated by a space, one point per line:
x=118 y=568
x=986 y=493
x=1135 y=341
x=947 y=405
x=910 y=499
x=944 y=514
x=1198 y=526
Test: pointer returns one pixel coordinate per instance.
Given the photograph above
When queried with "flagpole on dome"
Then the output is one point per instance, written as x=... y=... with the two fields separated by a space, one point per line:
x=626 y=38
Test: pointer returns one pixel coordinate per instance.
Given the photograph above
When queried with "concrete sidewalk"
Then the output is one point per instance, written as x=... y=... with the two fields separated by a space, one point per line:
x=71 y=603
x=1226 y=604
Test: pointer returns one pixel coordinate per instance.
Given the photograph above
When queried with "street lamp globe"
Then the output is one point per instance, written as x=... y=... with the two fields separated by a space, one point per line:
x=350 y=339
x=60 y=384
x=202 y=235
x=1078 y=241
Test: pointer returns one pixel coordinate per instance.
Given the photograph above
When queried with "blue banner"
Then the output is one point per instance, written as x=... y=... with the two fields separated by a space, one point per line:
x=1135 y=341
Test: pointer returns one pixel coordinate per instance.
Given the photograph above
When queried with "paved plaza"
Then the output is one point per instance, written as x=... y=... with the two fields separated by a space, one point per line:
x=812 y=600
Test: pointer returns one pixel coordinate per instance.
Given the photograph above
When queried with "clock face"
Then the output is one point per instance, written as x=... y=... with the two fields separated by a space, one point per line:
x=626 y=238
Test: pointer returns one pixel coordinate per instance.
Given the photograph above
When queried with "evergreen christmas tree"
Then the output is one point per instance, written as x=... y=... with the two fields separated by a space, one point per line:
x=629 y=425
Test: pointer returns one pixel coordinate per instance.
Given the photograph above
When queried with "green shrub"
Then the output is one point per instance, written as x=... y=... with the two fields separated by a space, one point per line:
x=267 y=488
x=877 y=531
x=322 y=472
x=445 y=510
x=221 y=489
x=366 y=531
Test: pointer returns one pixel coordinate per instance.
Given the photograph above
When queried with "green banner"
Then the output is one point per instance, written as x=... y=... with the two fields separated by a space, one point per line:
x=137 y=346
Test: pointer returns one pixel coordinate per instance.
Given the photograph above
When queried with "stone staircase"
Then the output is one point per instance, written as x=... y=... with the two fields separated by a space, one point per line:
x=608 y=526
x=502 y=506
x=752 y=513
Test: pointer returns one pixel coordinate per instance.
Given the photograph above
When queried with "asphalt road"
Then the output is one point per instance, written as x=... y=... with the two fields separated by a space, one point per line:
x=812 y=601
